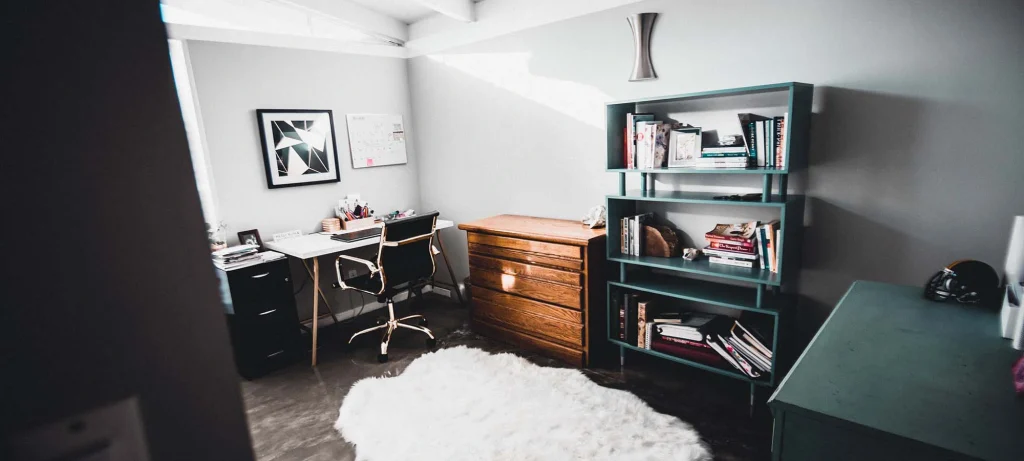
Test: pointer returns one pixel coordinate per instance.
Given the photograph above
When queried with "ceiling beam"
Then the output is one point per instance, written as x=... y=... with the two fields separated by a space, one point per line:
x=356 y=16
x=460 y=10
x=247 y=37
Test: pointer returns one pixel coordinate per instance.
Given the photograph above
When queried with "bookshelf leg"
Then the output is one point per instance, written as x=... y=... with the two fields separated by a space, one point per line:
x=622 y=357
x=760 y=295
x=643 y=183
x=766 y=189
x=753 y=392
x=622 y=183
x=783 y=186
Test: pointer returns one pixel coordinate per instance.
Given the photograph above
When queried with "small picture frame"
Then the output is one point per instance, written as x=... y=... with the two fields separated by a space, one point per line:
x=250 y=237
x=684 y=147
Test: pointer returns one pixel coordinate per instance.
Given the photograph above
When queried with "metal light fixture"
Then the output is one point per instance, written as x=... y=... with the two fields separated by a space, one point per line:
x=641 y=24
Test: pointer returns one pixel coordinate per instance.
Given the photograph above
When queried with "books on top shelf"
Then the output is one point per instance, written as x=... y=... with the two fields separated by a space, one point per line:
x=751 y=244
x=706 y=338
x=765 y=139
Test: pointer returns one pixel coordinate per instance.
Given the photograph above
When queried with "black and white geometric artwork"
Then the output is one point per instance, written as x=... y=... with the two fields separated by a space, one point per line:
x=298 y=147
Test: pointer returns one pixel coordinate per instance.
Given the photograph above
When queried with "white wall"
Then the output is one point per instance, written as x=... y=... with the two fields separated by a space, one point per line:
x=232 y=81
x=915 y=157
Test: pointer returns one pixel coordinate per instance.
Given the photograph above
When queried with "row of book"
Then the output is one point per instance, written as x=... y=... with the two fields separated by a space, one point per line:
x=765 y=139
x=750 y=244
x=646 y=141
x=632 y=233
x=705 y=338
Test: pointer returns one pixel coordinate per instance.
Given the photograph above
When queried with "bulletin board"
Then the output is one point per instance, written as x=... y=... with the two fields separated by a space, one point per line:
x=376 y=140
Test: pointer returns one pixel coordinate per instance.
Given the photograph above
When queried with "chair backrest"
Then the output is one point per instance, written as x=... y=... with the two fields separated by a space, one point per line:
x=405 y=249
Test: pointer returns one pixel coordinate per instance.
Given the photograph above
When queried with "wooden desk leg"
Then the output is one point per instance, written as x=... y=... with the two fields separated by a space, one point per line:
x=451 y=273
x=316 y=299
x=319 y=290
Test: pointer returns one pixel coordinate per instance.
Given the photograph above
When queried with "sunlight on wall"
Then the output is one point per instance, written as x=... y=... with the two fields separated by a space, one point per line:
x=511 y=72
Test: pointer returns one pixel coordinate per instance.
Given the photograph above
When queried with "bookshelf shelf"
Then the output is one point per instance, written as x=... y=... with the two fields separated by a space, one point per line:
x=717 y=294
x=707 y=198
x=702 y=267
x=761 y=292
x=703 y=366
x=747 y=170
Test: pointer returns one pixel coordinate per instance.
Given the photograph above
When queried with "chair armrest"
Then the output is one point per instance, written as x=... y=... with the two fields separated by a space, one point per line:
x=338 y=271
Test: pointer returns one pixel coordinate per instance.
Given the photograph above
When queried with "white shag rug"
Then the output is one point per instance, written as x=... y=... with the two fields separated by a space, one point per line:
x=467 y=404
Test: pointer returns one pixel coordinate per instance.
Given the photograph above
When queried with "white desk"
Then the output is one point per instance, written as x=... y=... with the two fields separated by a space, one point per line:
x=312 y=246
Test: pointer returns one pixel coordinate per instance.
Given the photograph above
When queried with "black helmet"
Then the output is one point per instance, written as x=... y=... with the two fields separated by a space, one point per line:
x=967 y=281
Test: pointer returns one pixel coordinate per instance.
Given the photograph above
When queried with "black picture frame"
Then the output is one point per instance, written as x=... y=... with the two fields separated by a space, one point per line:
x=251 y=233
x=276 y=167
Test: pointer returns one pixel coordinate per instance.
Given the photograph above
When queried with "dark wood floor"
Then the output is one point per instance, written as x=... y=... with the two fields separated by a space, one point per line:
x=291 y=412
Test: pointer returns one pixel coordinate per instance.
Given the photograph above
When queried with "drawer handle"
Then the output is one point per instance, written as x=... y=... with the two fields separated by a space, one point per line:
x=268 y=312
x=261 y=275
x=276 y=353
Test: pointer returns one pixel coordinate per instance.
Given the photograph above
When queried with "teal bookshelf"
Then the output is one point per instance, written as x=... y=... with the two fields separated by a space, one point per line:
x=753 y=292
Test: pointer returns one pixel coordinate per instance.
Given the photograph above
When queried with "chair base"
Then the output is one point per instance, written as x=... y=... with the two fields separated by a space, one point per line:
x=393 y=324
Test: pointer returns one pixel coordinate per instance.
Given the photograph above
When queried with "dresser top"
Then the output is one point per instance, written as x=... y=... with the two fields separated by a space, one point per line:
x=533 y=228
x=890 y=360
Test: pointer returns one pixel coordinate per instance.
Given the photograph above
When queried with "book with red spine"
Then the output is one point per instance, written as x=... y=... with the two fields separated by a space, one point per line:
x=732 y=246
x=685 y=342
x=705 y=356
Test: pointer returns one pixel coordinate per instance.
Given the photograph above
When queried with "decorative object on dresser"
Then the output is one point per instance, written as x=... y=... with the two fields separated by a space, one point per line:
x=754 y=295
x=534 y=283
x=466 y=404
x=298 y=147
x=261 y=315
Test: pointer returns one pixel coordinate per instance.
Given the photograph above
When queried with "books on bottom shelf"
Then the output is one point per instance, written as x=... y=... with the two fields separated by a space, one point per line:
x=705 y=338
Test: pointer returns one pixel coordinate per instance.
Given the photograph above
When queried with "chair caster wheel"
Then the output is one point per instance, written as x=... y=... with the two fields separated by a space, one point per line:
x=431 y=343
x=423 y=322
x=382 y=358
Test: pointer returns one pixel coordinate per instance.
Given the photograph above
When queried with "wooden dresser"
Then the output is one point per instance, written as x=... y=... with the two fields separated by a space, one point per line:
x=534 y=282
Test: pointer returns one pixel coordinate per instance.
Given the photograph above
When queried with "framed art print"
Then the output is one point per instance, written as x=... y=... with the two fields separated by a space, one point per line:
x=298 y=147
x=684 y=147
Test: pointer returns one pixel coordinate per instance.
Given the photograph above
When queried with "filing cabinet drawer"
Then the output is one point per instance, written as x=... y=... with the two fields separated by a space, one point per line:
x=555 y=293
x=527 y=305
x=526 y=270
x=548 y=248
x=526 y=256
x=568 y=333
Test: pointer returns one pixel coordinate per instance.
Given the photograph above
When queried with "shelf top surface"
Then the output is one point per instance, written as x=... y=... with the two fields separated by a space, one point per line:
x=888 y=359
x=713 y=93
x=704 y=267
x=747 y=170
x=702 y=197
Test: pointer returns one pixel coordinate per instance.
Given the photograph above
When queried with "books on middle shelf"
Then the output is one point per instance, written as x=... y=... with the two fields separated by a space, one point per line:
x=706 y=338
x=631 y=229
x=750 y=244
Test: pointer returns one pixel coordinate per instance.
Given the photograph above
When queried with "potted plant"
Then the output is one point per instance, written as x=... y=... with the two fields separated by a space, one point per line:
x=217 y=236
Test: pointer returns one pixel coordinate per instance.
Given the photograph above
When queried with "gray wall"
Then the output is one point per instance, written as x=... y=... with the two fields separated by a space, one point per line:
x=915 y=157
x=232 y=81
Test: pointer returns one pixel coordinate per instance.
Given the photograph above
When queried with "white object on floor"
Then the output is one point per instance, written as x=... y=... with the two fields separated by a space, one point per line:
x=467 y=404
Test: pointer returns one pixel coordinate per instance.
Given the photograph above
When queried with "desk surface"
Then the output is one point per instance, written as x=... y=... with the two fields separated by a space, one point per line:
x=313 y=245
x=890 y=360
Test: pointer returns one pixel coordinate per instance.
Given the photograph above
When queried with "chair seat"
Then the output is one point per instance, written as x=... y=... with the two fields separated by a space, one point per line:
x=365 y=282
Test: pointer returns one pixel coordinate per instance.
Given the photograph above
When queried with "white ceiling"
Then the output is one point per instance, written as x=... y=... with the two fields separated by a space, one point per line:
x=395 y=28
x=407 y=11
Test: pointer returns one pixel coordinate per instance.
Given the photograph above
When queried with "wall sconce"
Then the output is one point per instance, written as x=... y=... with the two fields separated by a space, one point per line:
x=641 y=24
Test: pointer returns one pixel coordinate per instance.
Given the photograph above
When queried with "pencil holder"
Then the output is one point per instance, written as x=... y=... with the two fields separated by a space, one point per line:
x=358 y=223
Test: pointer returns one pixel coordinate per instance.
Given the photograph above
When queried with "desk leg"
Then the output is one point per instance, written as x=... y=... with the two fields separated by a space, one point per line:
x=451 y=273
x=316 y=304
x=319 y=290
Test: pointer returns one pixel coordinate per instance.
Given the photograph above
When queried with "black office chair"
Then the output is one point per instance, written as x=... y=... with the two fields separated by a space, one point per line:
x=405 y=261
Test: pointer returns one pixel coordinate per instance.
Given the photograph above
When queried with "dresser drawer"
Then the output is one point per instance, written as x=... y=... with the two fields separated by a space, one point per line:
x=556 y=330
x=526 y=256
x=505 y=332
x=526 y=270
x=533 y=246
x=527 y=305
x=556 y=293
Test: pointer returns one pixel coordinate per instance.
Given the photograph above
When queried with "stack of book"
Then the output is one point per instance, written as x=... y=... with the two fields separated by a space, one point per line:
x=236 y=256
x=749 y=244
x=631 y=229
x=765 y=139
x=725 y=155
x=645 y=141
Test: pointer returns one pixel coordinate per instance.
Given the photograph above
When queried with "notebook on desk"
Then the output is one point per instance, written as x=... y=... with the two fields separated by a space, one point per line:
x=360 y=234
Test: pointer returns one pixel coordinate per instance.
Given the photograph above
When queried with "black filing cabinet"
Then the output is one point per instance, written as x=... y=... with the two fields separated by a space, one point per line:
x=261 y=316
